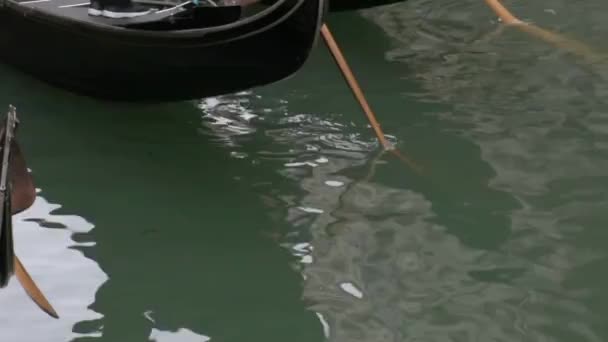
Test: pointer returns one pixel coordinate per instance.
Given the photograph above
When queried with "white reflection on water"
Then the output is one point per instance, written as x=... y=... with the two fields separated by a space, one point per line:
x=43 y=242
x=224 y=120
x=307 y=148
x=181 y=335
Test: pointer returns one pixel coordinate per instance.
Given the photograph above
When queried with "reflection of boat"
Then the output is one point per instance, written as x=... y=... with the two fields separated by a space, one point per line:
x=349 y=5
x=180 y=52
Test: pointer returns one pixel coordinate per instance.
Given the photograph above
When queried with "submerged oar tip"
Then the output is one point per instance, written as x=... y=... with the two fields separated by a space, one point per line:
x=52 y=313
x=48 y=309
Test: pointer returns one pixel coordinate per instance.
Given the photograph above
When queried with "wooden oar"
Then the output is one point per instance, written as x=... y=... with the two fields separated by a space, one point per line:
x=560 y=41
x=22 y=197
x=353 y=84
x=18 y=194
x=32 y=289
x=356 y=89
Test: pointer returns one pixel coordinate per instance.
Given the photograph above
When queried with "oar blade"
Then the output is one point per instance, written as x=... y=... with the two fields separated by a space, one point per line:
x=23 y=190
x=32 y=290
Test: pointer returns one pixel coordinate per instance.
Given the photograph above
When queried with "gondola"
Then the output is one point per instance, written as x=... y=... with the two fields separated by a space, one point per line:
x=351 y=5
x=184 y=50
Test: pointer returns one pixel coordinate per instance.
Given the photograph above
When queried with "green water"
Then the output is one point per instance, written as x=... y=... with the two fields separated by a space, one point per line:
x=271 y=216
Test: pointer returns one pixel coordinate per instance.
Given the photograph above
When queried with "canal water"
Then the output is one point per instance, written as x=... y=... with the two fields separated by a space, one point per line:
x=271 y=215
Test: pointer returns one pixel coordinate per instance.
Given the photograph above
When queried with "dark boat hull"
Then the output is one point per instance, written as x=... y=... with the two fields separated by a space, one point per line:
x=127 y=65
x=351 y=5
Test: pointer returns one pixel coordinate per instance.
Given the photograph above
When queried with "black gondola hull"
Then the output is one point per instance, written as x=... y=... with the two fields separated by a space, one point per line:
x=128 y=65
x=351 y=5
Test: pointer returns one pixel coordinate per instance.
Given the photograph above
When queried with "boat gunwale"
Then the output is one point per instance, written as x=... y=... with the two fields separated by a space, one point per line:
x=121 y=32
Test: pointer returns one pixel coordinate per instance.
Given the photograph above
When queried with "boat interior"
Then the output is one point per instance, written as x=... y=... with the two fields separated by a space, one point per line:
x=167 y=15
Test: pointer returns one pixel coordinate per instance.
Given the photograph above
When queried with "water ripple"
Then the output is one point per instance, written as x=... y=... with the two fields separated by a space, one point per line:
x=390 y=263
x=537 y=116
